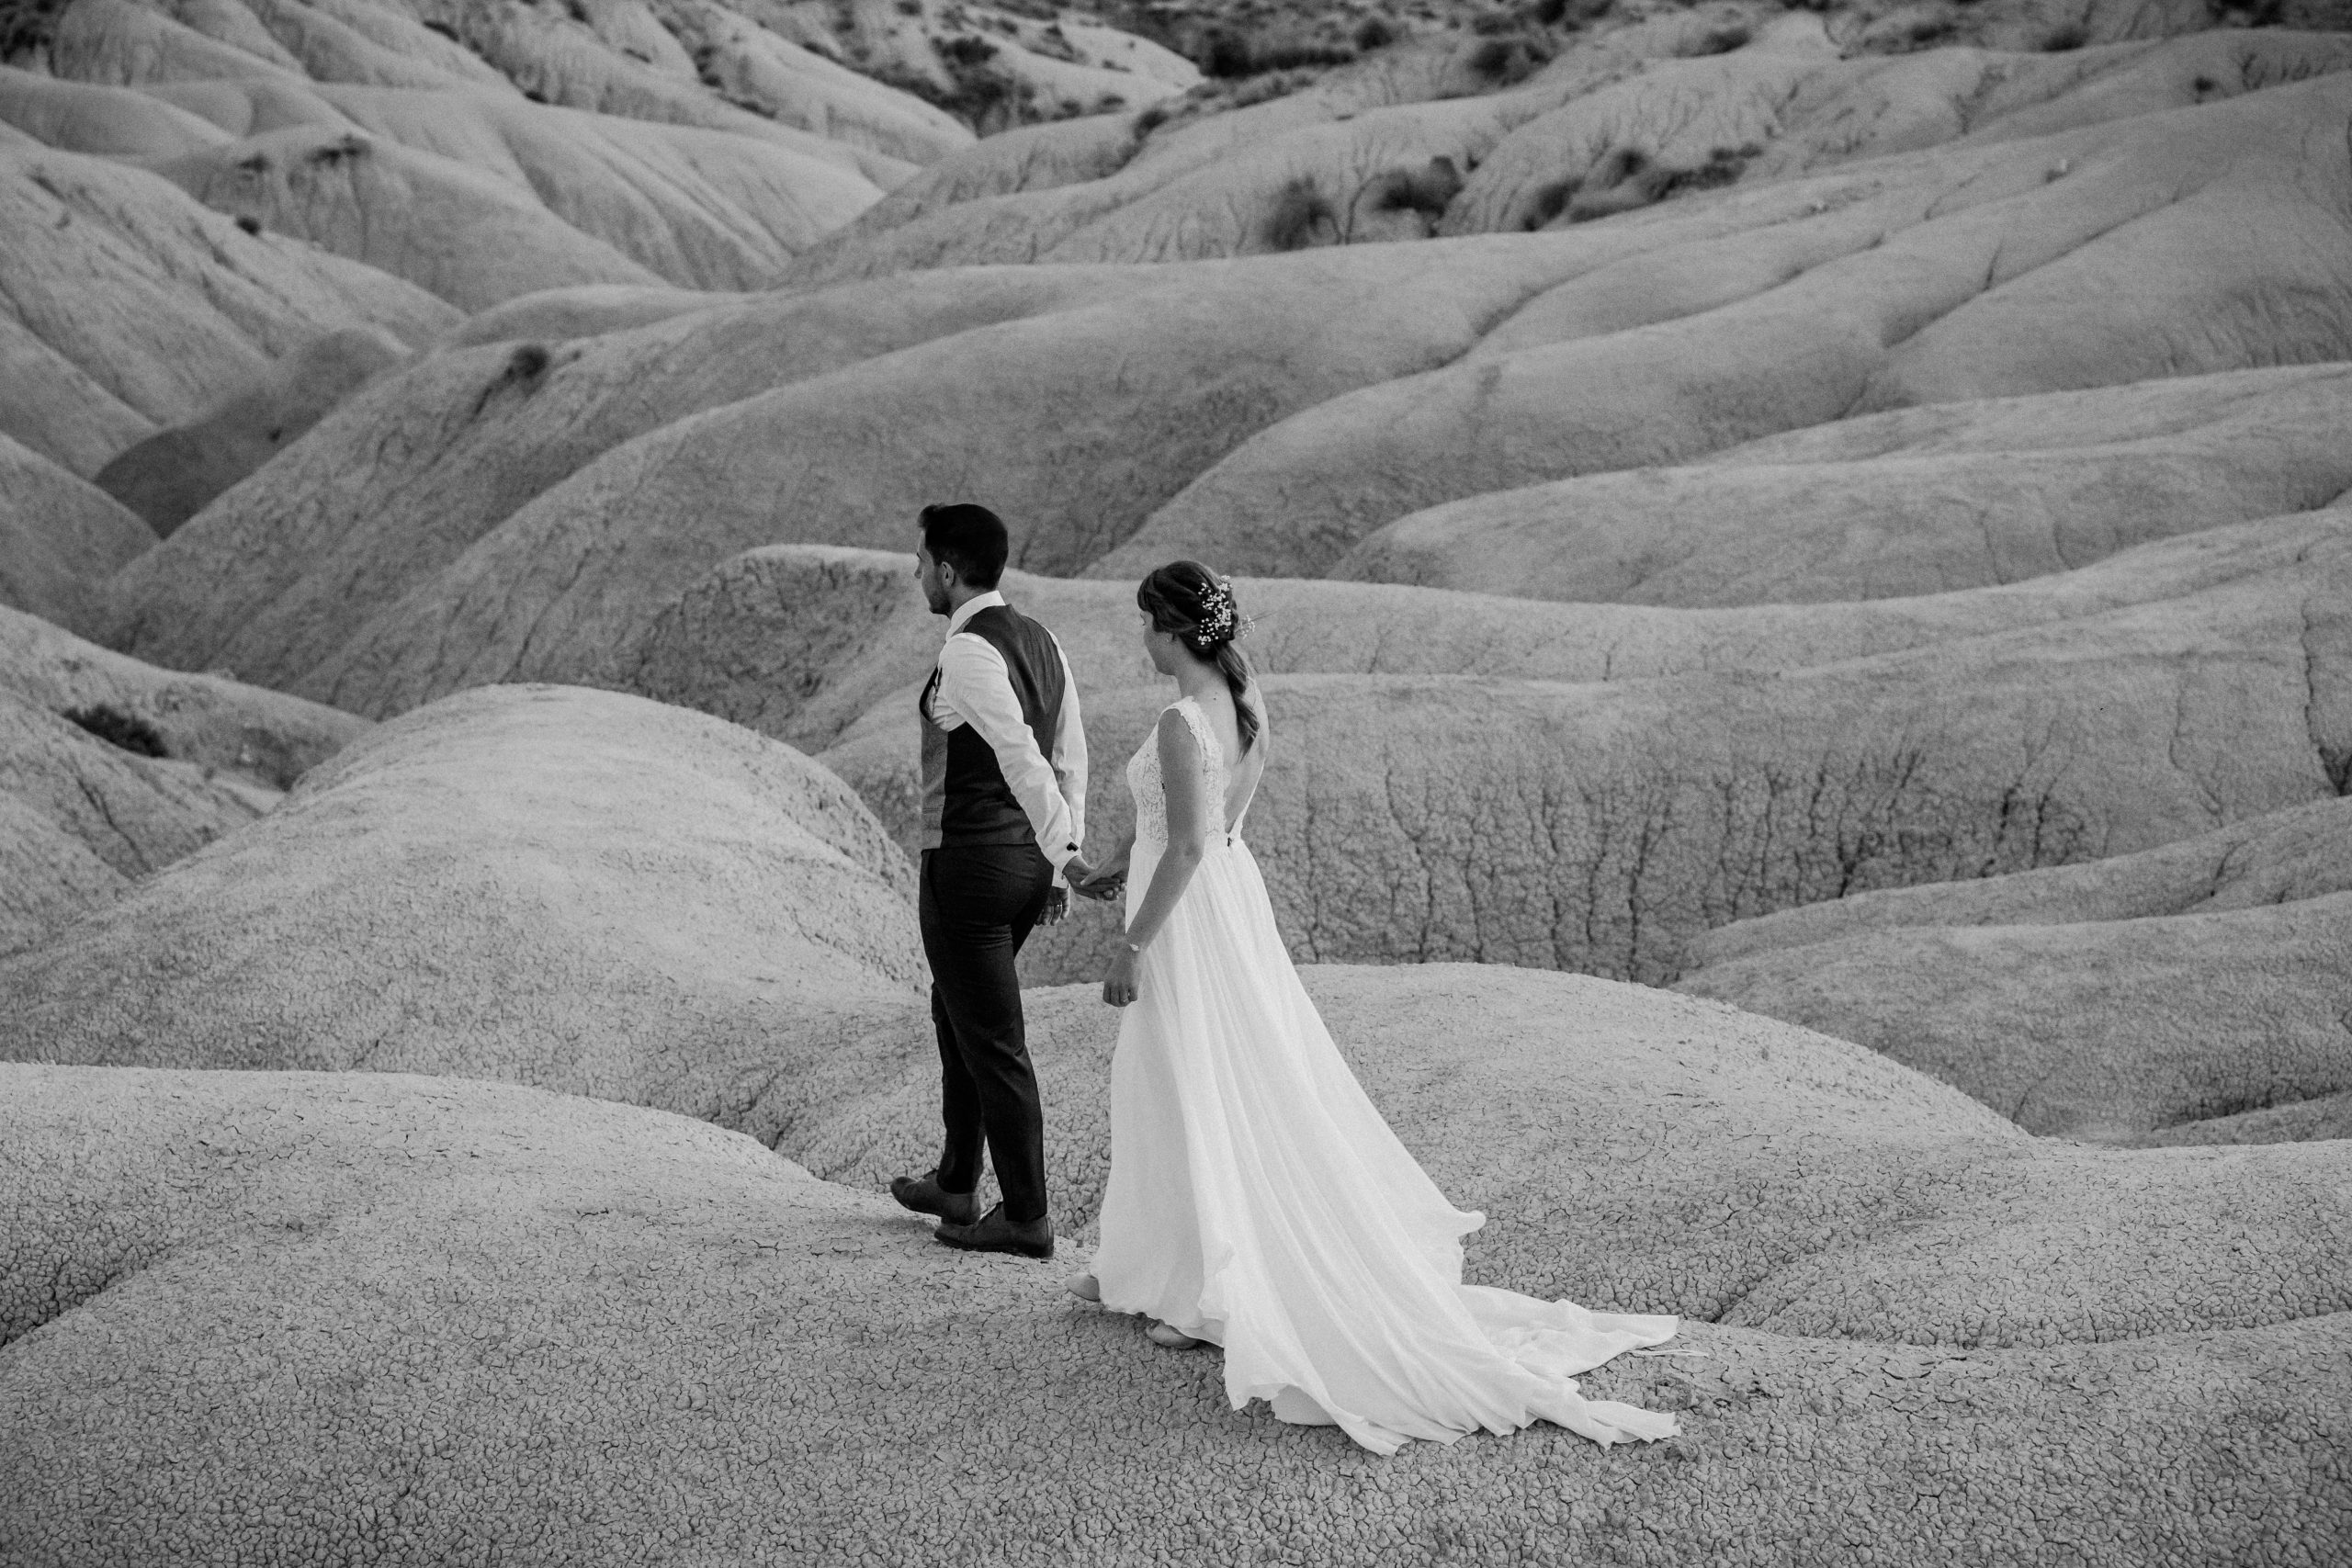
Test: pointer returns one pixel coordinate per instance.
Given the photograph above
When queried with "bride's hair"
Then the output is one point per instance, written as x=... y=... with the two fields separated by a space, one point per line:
x=1190 y=601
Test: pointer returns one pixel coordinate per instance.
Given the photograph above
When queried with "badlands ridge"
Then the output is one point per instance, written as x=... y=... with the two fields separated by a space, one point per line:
x=1802 y=561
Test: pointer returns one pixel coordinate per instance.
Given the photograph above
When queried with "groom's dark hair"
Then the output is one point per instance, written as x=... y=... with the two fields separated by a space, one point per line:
x=968 y=537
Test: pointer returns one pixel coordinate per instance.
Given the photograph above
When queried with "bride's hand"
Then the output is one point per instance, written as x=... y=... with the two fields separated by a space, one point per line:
x=1103 y=886
x=1119 y=985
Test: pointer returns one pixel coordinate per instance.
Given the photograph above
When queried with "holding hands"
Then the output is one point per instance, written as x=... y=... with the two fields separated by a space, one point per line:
x=1104 y=884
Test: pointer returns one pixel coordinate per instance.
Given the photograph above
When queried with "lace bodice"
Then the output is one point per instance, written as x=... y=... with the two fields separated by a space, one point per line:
x=1150 y=791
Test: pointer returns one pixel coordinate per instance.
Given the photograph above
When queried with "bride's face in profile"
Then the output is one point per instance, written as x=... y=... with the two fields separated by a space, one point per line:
x=1159 y=647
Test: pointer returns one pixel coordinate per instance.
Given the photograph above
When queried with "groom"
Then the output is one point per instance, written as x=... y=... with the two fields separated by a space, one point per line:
x=1003 y=811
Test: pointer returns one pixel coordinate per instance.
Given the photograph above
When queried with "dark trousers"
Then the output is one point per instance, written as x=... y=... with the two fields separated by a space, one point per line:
x=979 y=903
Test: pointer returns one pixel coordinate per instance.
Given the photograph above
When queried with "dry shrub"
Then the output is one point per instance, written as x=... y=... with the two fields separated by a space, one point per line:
x=1428 y=190
x=1719 y=40
x=122 y=730
x=1299 y=209
x=1507 y=62
x=27 y=26
x=1549 y=201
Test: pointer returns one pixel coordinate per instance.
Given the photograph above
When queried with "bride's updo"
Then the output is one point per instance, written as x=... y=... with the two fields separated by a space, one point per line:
x=1188 y=600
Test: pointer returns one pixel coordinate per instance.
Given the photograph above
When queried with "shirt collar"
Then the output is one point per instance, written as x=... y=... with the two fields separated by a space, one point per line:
x=971 y=607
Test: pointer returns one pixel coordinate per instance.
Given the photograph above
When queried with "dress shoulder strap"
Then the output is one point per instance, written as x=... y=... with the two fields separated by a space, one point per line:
x=1204 y=732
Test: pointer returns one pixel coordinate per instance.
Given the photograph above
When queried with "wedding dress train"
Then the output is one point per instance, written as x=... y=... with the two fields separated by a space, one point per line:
x=1258 y=1201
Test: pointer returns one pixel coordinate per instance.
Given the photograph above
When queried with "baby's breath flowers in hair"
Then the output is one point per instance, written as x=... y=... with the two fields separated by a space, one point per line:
x=1220 y=623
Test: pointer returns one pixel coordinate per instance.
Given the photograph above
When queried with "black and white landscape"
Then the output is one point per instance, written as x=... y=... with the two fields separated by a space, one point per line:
x=1802 y=559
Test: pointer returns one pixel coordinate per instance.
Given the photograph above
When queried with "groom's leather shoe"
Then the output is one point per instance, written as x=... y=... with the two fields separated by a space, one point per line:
x=994 y=1233
x=925 y=1196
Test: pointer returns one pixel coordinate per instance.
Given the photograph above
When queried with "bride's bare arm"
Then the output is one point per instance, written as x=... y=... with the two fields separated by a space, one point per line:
x=1188 y=809
x=1179 y=773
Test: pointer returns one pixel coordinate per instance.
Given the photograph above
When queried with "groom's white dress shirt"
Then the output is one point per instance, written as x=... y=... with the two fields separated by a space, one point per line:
x=975 y=688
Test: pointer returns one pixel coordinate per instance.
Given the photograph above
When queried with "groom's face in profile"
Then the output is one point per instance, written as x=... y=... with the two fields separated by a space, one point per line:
x=928 y=574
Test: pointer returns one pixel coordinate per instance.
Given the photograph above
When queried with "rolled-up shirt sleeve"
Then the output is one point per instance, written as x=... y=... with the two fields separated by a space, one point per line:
x=975 y=682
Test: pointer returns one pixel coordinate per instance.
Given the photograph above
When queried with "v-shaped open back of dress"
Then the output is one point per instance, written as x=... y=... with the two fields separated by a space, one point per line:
x=1258 y=1200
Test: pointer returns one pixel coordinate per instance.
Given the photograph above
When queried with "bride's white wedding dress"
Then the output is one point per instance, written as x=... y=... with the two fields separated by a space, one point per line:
x=1256 y=1199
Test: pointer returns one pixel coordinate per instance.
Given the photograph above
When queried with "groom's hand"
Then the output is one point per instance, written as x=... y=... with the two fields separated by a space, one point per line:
x=1057 y=907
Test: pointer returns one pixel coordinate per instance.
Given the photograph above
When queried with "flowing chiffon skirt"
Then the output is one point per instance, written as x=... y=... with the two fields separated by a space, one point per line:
x=1258 y=1201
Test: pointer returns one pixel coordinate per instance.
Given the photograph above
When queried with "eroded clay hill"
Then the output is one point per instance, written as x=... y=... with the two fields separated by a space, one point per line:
x=1846 y=512
x=2057 y=996
x=419 y=903
x=111 y=770
x=1593 y=787
x=586 y=1261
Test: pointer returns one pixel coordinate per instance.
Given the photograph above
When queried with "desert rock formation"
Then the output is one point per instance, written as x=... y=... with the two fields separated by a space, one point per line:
x=685 y=1258
x=2056 y=996
x=474 y=924
x=174 y=474
x=130 y=305
x=111 y=769
x=60 y=538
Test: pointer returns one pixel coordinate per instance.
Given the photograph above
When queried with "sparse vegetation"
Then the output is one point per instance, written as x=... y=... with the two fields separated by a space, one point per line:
x=347 y=146
x=1630 y=177
x=27 y=26
x=1428 y=190
x=1724 y=166
x=125 y=731
x=1549 y=201
x=1299 y=212
x=969 y=51
x=1227 y=54
x=249 y=223
x=1375 y=32
x=2061 y=39
x=1506 y=61
x=525 y=365
x=1720 y=40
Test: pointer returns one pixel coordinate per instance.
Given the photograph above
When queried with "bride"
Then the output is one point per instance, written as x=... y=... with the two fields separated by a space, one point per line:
x=1257 y=1201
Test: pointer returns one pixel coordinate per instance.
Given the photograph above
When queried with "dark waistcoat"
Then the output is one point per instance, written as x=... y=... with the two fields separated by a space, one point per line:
x=964 y=797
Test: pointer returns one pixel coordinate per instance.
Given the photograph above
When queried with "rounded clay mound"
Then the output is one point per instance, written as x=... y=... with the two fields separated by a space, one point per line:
x=1604 y=825
x=801 y=642
x=1926 y=501
x=2101 y=1031
x=396 y=1313
x=1965 y=273
x=282 y=572
x=172 y=475
x=111 y=769
x=127 y=810
x=60 y=538
x=220 y=725
x=580 y=889
x=101 y=255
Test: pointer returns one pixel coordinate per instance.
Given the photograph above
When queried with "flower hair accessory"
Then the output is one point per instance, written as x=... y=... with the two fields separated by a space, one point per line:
x=1219 y=621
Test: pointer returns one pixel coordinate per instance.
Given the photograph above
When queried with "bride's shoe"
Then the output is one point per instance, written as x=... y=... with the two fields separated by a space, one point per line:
x=1084 y=1287
x=1171 y=1339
